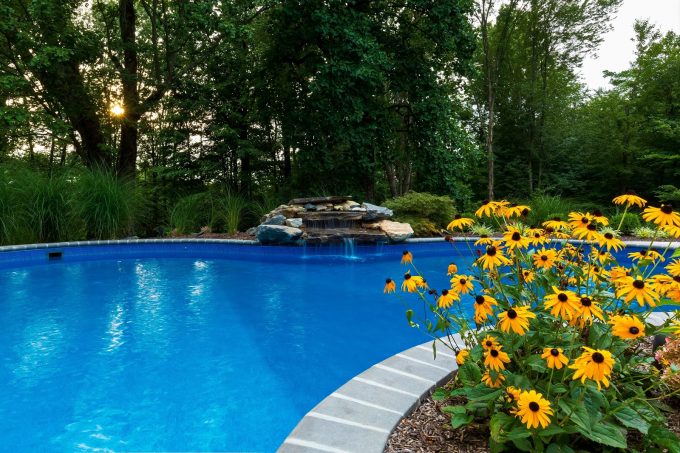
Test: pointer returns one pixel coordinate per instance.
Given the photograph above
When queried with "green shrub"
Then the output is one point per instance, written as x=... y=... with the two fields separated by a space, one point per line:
x=438 y=210
x=480 y=229
x=422 y=227
x=631 y=222
x=192 y=212
x=229 y=208
x=668 y=194
x=545 y=207
x=648 y=232
x=106 y=205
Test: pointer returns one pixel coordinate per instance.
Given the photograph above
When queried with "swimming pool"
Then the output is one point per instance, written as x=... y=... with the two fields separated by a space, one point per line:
x=190 y=346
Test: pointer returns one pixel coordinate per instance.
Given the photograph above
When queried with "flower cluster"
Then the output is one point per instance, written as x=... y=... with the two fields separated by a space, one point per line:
x=549 y=320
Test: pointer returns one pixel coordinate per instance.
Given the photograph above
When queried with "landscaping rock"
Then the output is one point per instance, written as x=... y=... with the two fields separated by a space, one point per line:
x=395 y=231
x=310 y=207
x=374 y=212
x=277 y=219
x=278 y=234
x=295 y=223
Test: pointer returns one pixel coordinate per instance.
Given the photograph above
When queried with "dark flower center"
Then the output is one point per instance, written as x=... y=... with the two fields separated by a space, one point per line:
x=479 y=300
x=586 y=302
x=537 y=235
x=405 y=252
x=634 y=330
x=677 y=278
x=407 y=276
x=489 y=343
x=544 y=257
x=457 y=216
x=493 y=353
x=639 y=284
x=609 y=236
x=389 y=280
x=516 y=236
x=592 y=227
x=534 y=406
x=554 y=352
x=491 y=250
x=562 y=297
x=585 y=220
x=525 y=212
x=445 y=292
x=631 y=192
x=463 y=281
x=597 y=357
x=598 y=213
x=483 y=236
x=667 y=209
x=643 y=253
x=557 y=219
x=512 y=314
x=550 y=230
x=485 y=202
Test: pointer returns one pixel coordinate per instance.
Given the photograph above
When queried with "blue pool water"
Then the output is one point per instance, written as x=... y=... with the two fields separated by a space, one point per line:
x=190 y=347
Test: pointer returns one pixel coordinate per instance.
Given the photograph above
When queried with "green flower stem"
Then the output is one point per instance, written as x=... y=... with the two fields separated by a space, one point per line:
x=625 y=211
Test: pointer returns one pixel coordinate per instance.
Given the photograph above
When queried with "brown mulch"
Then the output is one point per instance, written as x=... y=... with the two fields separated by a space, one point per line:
x=237 y=235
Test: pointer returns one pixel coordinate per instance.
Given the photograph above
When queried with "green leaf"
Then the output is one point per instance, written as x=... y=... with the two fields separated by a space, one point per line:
x=558 y=448
x=577 y=414
x=535 y=362
x=608 y=434
x=628 y=417
x=469 y=374
x=676 y=253
x=499 y=425
x=454 y=410
x=551 y=430
x=483 y=393
x=558 y=389
x=522 y=444
x=440 y=394
x=661 y=436
x=459 y=420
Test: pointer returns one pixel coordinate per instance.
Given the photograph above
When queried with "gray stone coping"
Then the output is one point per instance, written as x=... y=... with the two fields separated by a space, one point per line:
x=359 y=416
x=13 y=248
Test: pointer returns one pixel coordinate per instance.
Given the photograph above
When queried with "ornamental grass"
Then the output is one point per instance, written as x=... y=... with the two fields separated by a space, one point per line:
x=552 y=329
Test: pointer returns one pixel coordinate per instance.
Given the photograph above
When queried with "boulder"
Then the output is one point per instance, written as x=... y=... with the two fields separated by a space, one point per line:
x=374 y=212
x=278 y=234
x=277 y=219
x=395 y=231
x=310 y=207
x=295 y=223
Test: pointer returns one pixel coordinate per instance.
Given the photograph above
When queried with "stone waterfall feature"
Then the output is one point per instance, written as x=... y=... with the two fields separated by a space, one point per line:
x=330 y=220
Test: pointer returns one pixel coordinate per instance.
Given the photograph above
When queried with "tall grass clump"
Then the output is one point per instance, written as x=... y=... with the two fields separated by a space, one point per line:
x=106 y=204
x=544 y=207
x=192 y=212
x=11 y=211
x=230 y=210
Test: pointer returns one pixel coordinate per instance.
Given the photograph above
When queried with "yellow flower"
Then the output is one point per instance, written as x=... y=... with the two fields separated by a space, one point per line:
x=663 y=216
x=487 y=209
x=495 y=359
x=515 y=210
x=513 y=393
x=452 y=269
x=556 y=224
x=600 y=218
x=563 y=304
x=484 y=240
x=676 y=327
x=554 y=358
x=461 y=356
x=602 y=256
x=390 y=286
x=492 y=382
x=515 y=319
x=594 y=364
x=537 y=236
x=588 y=233
x=514 y=239
x=630 y=199
x=671 y=230
x=631 y=288
x=460 y=223
x=651 y=255
x=588 y=310
x=580 y=219
x=610 y=241
x=618 y=273
x=489 y=342
x=533 y=409
x=484 y=308
x=627 y=327
x=492 y=258
x=411 y=283
x=406 y=257
x=462 y=283
x=527 y=276
x=674 y=268
x=545 y=258
x=447 y=298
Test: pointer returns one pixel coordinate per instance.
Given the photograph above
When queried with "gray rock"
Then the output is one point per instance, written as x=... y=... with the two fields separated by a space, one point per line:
x=252 y=231
x=358 y=209
x=278 y=219
x=294 y=223
x=374 y=212
x=310 y=207
x=278 y=234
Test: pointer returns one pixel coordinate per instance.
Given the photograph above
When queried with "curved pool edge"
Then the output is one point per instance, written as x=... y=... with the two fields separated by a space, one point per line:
x=360 y=415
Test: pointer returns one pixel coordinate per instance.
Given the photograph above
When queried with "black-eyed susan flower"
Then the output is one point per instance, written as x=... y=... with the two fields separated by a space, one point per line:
x=489 y=342
x=554 y=358
x=493 y=379
x=587 y=233
x=513 y=393
x=484 y=308
x=411 y=283
x=556 y=224
x=651 y=255
x=629 y=200
x=446 y=299
x=602 y=256
x=515 y=210
x=461 y=356
x=628 y=327
x=671 y=230
x=537 y=236
x=452 y=269
x=514 y=239
x=492 y=258
x=562 y=303
x=673 y=268
x=459 y=222
x=592 y=270
x=617 y=273
x=406 y=257
x=662 y=216
x=533 y=409
x=609 y=240
x=580 y=219
x=528 y=276
x=462 y=283
x=588 y=310
x=495 y=359
x=545 y=258
x=487 y=209
x=516 y=319
x=484 y=240
x=600 y=218
x=662 y=284
x=637 y=288
x=390 y=286
x=594 y=364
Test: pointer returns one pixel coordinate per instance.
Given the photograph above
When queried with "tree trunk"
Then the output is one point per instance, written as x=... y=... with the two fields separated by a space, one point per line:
x=127 y=155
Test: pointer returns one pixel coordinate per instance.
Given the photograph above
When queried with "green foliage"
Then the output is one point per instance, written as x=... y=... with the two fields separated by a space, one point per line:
x=438 y=210
x=668 y=194
x=545 y=207
x=648 y=232
x=631 y=222
x=480 y=229
x=221 y=211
